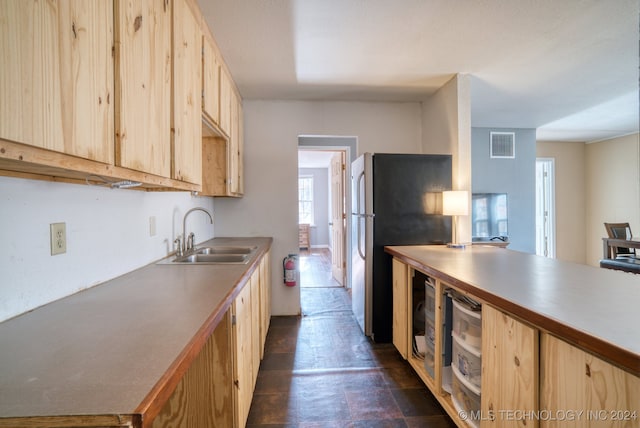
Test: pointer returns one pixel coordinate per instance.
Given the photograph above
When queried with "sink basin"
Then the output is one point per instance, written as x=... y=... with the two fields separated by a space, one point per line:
x=215 y=254
x=213 y=258
x=225 y=250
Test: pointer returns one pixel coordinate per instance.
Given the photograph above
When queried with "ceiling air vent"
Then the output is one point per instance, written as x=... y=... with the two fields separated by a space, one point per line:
x=503 y=145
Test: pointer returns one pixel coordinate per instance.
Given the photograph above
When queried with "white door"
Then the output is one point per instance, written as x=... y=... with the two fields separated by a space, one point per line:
x=545 y=208
x=338 y=218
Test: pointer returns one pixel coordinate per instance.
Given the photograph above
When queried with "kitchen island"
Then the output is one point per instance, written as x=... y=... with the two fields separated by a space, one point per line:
x=555 y=335
x=114 y=355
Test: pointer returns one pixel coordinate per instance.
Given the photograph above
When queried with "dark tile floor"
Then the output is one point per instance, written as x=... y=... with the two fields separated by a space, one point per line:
x=319 y=370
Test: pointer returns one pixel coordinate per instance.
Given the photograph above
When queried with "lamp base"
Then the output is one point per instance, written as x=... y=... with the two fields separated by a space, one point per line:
x=457 y=246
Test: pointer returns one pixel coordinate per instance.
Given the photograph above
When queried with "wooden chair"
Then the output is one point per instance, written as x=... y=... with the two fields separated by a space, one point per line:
x=620 y=231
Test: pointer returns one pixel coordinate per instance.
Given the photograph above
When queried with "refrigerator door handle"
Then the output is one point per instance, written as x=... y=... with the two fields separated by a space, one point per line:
x=359 y=235
x=360 y=214
x=358 y=187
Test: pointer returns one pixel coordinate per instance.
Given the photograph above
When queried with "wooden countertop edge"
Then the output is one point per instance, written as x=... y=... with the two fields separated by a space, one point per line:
x=616 y=355
x=155 y=400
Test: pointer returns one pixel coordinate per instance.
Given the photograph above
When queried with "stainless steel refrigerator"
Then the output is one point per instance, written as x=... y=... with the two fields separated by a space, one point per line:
x=397 y=200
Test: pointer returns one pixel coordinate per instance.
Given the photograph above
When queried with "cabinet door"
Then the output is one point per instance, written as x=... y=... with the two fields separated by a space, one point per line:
x=204 y=396
x=400 y=307
x=244 y=355
x=509 y=368
x=265 y=299
x=210 y=82
x=255 y=326
x=240 y=146
x=56 y=76
x=143 y=85
x=234 y=149
x=225 y=101
x=574 y=380
x=187 y=94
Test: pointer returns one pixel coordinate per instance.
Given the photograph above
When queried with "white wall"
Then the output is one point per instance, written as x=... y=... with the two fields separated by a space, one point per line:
x=107 y=236
x=613 y=189
x=269 y=207
x=446 y=129
x=516 y=177
x=570 y=196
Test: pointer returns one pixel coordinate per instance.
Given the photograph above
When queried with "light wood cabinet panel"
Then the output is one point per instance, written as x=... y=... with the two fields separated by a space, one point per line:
x=56 y=76
x=204 y=396
x=240 y=148
x=255 y=327
x=233 y=147
x=574 y=380
x=187 y=94
x=265 y=299
x=210 y=82
x=143 y=85
x=509 y=369
x=400 y=307
x=226 y=91
x=214 y=166
x=222 y=158
x=235 y=152
x=243 y=370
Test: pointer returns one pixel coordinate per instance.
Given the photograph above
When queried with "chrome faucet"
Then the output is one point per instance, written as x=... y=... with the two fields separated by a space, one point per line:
x=188 y=243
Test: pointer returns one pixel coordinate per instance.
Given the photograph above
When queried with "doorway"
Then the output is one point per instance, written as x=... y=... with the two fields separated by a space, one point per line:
x=545 y=208
x=325 y=265
x=322 y=217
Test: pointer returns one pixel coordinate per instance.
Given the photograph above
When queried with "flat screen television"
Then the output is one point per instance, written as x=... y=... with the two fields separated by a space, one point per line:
x=489 y=216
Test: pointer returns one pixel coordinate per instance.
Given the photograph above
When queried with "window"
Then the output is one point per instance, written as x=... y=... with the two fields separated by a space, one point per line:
x=305 y=199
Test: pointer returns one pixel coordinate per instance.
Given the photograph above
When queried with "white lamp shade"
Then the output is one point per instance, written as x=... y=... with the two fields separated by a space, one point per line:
x=455 y=202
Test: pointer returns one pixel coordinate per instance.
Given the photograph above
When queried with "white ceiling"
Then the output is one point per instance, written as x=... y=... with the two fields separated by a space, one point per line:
x=566 y=67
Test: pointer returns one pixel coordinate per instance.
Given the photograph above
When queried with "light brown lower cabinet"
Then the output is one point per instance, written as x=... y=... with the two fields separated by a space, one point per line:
x=204 y=396
x=251 y=321
x=400 y=328
x=529 y=377
x=578 y=389
x=217 y=389
x=509 y=370
x=243 y=344
x=265 y=300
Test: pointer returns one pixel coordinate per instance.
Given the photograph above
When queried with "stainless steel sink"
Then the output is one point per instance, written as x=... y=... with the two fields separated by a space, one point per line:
x=215 y=254
x=225 y=250
x=213 y=258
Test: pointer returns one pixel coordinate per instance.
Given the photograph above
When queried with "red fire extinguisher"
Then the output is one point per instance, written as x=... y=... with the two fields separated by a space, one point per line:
x=289 y=265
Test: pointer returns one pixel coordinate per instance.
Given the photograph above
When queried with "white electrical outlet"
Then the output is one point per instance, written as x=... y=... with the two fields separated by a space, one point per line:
x=152 y=225
x=58 y=238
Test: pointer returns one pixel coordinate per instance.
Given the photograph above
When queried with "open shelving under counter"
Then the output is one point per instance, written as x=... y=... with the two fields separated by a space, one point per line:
x=553 y=337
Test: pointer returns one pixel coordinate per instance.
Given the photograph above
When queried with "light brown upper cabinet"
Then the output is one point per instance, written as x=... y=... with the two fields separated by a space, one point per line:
x=226 y=90
x=222 y=165
x=222 y=152
x=210 y=82
x=235 y=152
x=143 y=85
x=187 y=94
x=56 y=76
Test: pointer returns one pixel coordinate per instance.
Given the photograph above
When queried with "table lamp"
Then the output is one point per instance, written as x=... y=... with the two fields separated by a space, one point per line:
x=455 y=203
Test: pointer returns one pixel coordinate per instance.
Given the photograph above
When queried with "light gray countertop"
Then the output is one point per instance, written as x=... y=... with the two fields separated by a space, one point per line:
x=102 y=350
x=596 y=309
